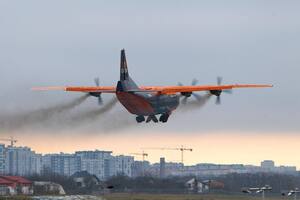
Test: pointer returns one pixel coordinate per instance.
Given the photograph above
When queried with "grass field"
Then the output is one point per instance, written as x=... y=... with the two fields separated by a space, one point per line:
x=183 y=197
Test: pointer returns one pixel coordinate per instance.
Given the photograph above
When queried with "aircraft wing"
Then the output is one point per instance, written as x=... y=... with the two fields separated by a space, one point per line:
x=180 y=89
x=158 y=89
x=92 y=89
x=105 y=89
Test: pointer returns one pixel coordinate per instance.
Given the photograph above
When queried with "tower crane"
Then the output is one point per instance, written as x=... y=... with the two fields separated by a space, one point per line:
x=11 y=140
x=143 y=154
x=181 y=149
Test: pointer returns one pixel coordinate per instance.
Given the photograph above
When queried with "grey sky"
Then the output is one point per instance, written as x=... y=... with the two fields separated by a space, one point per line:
x=70 y=42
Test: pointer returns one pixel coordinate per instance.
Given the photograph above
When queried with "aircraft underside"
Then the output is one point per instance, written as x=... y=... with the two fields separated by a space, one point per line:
x=147 y=106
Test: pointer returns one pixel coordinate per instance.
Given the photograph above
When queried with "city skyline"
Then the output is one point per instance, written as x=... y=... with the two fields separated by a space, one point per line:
x=207 y=148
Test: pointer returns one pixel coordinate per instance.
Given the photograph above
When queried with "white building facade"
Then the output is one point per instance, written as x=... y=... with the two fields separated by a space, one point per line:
x=21 y=161
x=96 y=162
x=2 y=159
x=123 y=165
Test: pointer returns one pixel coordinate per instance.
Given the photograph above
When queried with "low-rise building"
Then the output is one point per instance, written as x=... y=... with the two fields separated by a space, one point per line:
x=13 y=185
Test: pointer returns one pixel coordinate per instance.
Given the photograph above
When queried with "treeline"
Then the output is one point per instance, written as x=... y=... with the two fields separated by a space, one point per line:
x=147 y=184
x=232 y=183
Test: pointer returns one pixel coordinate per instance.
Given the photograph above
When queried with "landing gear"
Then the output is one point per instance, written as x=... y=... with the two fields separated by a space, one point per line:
x=164 y=118
x=153 y=118
x=140 y=119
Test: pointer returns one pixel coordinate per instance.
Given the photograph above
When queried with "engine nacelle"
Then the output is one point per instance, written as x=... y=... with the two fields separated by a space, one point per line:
x=95 y=94
x=216 y=92
x=186 y=94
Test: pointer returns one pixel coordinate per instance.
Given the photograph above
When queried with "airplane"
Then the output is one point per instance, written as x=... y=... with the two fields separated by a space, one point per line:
x=291 y=192
x=146 y=102
x=257 y=190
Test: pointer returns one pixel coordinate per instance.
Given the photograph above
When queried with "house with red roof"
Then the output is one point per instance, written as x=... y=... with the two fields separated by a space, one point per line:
x=12 y=185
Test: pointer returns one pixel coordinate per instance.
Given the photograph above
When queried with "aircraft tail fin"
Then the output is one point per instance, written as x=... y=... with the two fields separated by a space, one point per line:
x=123 y=67
x=125 y=83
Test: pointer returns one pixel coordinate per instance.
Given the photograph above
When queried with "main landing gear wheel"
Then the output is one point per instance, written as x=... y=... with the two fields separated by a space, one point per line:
x=164 y=118
x=140 y=119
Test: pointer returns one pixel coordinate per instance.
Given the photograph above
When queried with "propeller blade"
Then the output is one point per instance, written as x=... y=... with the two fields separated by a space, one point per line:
x=184 y=100
x=97 y=81
x=218 y=100
x=179 y=84
x=100 y=100
x=194 y=81
x=219 y=80
x=197 y=96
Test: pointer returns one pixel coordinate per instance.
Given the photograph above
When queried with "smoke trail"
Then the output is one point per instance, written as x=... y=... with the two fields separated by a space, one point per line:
x=55 y=118
x=123 y=120
x=195 y=104
x=100 y=120
x=16 y=121
x=92 y=114
x=119 y=120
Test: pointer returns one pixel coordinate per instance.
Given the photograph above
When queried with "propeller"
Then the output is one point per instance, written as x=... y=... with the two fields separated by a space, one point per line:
x=97 y=81
x=217 y=93
x=188 y=94
x=97 y=94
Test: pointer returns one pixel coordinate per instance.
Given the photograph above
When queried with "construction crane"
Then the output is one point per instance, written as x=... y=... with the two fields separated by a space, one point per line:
x=143 y=154
x=11 y=140
x=181 y=149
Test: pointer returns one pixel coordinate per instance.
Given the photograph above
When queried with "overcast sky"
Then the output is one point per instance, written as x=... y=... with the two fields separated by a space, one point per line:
x=46 y=43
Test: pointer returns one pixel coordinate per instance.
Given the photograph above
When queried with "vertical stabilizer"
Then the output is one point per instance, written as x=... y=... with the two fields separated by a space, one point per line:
x=125 y=83
x=123 y=67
